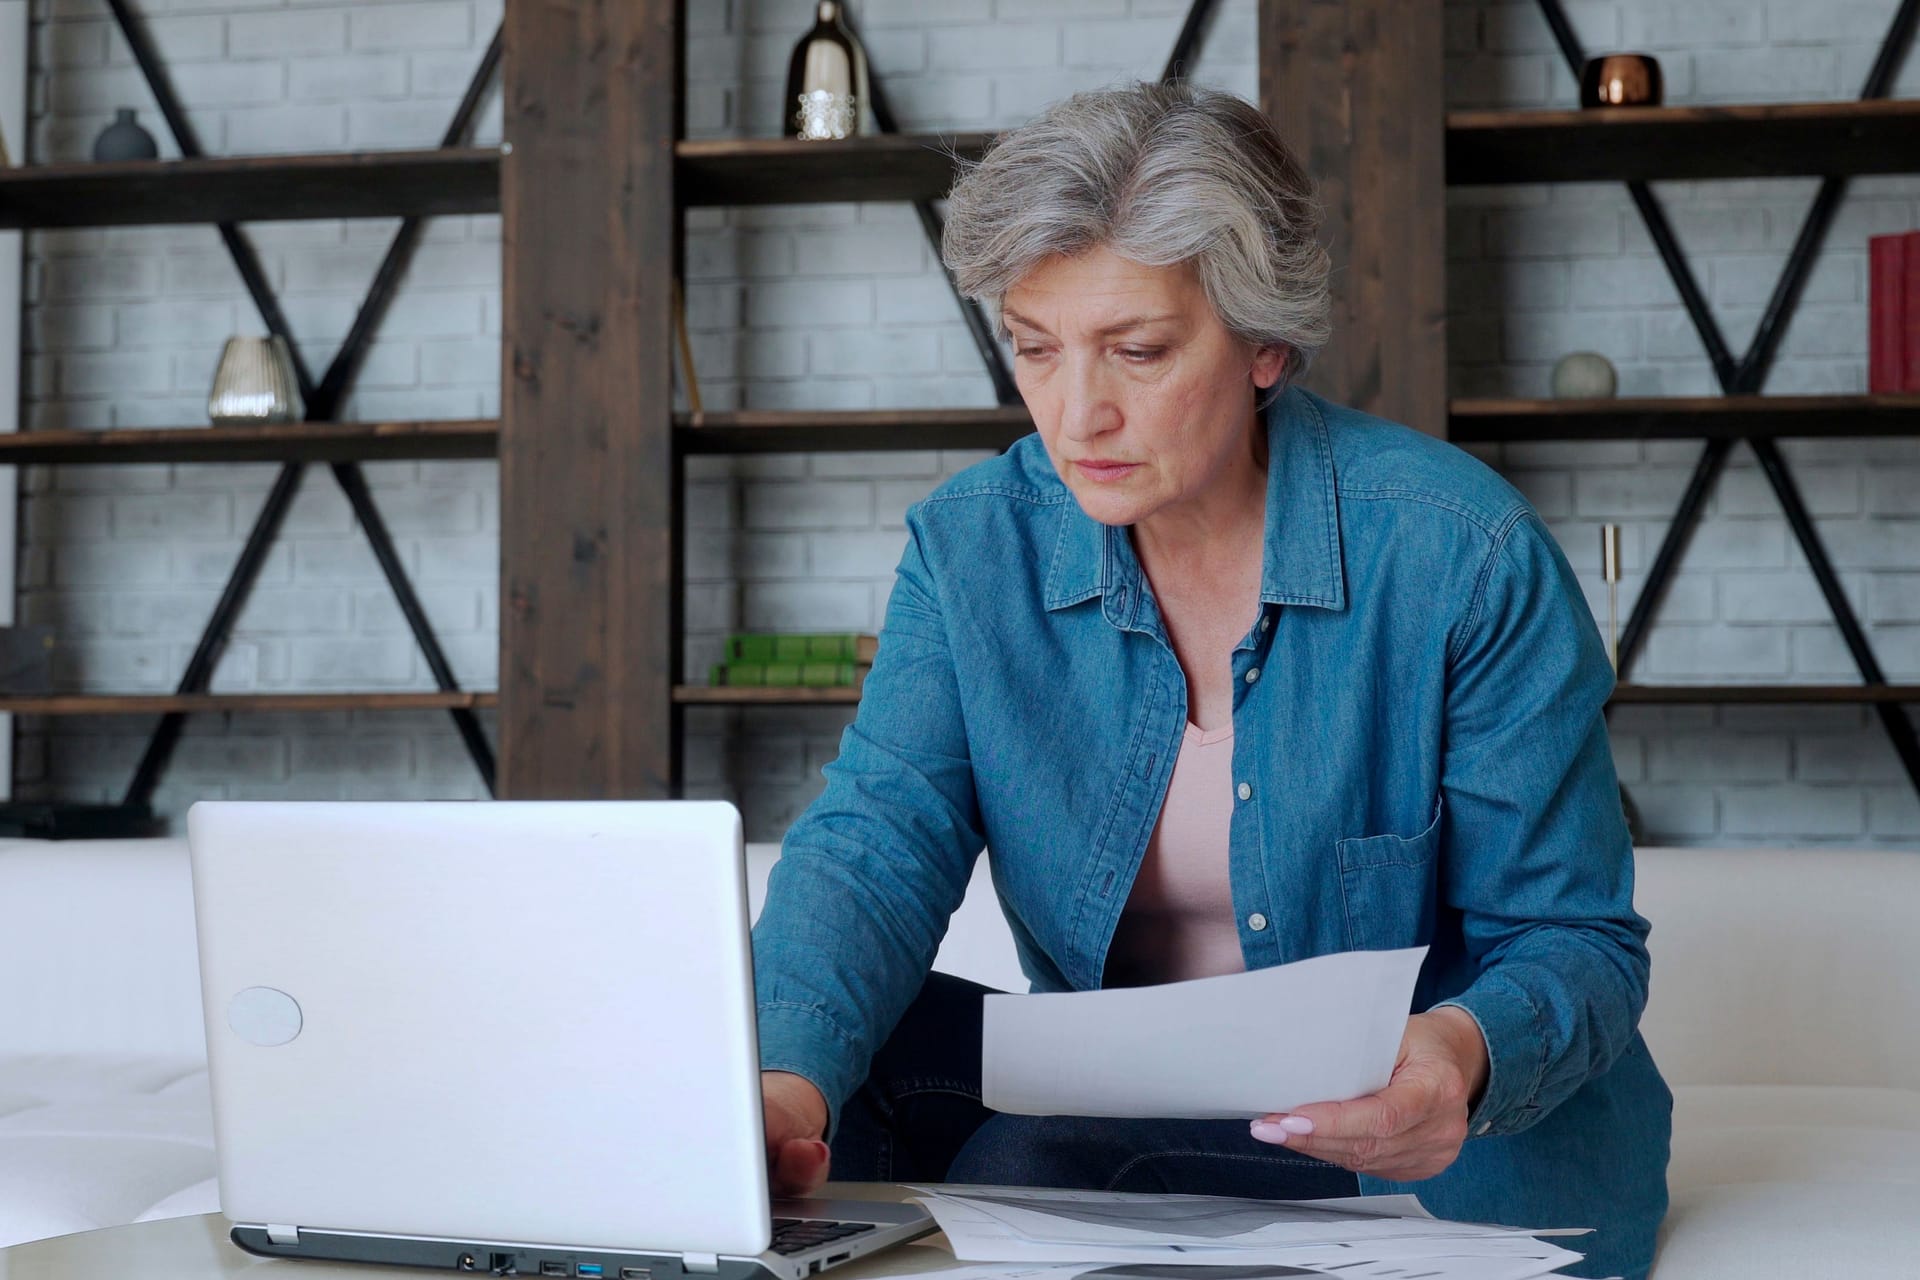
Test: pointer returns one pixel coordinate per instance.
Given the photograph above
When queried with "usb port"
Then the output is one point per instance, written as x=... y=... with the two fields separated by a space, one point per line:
x=592 y=1269
x=553 y=1268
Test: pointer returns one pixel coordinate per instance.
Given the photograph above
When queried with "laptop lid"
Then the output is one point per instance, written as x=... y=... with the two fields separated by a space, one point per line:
x=519 y=1021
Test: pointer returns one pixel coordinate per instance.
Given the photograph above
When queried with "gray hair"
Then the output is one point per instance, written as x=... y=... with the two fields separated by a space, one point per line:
x=1161 y=174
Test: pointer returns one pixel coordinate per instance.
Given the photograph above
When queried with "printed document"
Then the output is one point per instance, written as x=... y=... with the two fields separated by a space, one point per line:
x=1169 y=1236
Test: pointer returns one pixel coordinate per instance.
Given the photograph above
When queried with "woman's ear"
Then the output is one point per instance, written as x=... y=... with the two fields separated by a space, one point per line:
x=1270 y=364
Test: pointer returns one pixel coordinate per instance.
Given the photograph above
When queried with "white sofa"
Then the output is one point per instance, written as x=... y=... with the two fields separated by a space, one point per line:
x=1785 y=1011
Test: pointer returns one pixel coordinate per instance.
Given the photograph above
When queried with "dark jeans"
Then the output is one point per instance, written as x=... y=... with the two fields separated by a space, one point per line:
x=918 y=1118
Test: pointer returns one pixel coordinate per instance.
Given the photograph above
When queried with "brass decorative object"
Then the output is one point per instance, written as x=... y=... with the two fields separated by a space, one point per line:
x=686 y=348
x=1610 y=570
x=1621 y=80
x=254 y=383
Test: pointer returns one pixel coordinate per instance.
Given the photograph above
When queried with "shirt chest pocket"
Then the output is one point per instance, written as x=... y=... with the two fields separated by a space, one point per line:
x=1387 y=883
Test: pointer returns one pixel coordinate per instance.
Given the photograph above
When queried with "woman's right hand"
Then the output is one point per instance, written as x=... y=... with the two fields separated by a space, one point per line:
x=796 y=1114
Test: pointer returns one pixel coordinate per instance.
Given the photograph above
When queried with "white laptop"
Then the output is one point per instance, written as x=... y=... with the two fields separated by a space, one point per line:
x=512 y=1037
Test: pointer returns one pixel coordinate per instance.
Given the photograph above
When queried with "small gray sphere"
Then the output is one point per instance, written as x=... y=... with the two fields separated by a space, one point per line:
x=1585 y=375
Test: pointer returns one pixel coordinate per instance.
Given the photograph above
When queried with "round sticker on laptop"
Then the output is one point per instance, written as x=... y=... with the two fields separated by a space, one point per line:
x=264 y=1016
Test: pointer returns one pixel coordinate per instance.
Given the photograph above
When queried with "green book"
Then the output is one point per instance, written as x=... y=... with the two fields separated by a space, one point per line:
x=754 y=646
x=814 y=675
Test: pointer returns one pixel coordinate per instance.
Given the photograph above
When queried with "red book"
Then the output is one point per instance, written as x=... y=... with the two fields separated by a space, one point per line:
x=1910 y=317
x=1887 y=313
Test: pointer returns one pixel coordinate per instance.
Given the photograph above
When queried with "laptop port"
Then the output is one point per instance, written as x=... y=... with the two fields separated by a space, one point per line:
x=553 y=1268
x=503 y=1264
x=636 y=1273
x=468 y=1262
x=593 y=1270
x=838 y=1257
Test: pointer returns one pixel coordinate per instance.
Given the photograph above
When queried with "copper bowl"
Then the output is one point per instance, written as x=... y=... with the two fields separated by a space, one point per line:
x=1620 y=80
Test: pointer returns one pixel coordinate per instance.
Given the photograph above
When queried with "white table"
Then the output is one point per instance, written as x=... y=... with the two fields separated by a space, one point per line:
x=198 y=1249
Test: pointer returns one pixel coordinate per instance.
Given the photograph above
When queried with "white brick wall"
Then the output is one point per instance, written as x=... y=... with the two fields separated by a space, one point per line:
x=1744 y=606
x=123 y=329
x=843 y=306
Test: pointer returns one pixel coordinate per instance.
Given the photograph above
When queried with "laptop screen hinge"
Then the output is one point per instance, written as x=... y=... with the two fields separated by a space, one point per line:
x=283 y=1235
x=706 y=1264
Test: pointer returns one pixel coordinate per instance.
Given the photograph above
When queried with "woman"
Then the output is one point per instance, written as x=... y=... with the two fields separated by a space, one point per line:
x=1225 y=676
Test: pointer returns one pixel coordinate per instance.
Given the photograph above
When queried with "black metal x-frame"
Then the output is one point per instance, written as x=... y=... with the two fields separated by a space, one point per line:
x=322 y=402
x=1747 y=376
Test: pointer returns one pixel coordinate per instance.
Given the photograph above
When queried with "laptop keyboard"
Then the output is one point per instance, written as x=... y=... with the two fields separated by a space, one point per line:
x=797 y=1235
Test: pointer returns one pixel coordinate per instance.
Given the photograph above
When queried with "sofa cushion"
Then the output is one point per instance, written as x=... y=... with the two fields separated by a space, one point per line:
x=1783 y=966
x=1792 y=1180
x=98 y=955
x=95 y=1140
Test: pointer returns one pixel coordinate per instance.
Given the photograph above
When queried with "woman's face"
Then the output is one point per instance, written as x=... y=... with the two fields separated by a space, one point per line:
x=1142 y=397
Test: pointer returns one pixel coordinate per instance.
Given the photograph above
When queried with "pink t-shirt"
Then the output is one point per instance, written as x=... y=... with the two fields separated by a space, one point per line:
x=1179 y=920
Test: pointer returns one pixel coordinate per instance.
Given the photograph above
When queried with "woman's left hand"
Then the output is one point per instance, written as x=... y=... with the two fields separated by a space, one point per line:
x=1413 y=1128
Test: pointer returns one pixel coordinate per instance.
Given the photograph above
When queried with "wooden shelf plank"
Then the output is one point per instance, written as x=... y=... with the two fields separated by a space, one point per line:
x=1648 y=143
x=94 y=704
x=703 y=695
x=355 y=184
x=742 y=171
x=1689 y=694
x=849 y=431
x=1471 y=420
x=1689 y=418
x=282 y=442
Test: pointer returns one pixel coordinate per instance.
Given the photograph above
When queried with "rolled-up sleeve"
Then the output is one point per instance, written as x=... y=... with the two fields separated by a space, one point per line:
x=870 y=874
x=1538 y=859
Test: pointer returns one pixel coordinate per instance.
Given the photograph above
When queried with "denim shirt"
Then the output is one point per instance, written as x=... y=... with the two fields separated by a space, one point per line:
x=1420 y=759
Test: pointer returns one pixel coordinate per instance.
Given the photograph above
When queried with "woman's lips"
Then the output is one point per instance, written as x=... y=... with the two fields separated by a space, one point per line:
x=1103 y=472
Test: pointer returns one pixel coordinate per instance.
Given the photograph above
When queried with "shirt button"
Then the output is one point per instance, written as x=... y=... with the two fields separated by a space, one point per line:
x=1264 y=620
x=1253 y=673
x=1484 y=1126
x=1256 y=922
x=1245 y=791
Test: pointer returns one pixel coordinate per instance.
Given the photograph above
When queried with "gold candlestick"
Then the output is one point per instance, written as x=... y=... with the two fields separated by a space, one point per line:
x=1610 y=570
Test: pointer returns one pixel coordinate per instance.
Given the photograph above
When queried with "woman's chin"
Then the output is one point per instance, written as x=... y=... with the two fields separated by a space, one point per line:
x=1107 y=506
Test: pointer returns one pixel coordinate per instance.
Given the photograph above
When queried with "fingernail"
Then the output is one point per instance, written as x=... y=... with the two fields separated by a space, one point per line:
x=1296 y=1124
x=1267 y=1131
x=822 y=1150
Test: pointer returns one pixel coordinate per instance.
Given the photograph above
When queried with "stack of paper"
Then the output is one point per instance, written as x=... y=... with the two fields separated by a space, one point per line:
x=1109 y=1235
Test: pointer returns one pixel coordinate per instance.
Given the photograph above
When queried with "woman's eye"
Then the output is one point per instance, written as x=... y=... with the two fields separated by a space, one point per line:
x=1029 y=351
x=1142 y=355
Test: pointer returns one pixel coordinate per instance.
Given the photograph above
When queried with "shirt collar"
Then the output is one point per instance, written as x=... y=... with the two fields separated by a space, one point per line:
x=1300 y=563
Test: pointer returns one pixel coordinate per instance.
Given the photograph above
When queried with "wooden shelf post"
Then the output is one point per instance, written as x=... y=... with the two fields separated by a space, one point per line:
x=1356 y=88
x=590 y=607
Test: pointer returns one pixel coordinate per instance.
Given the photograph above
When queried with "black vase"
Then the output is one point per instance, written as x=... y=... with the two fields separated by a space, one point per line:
x=124 y=139
x=827 y=81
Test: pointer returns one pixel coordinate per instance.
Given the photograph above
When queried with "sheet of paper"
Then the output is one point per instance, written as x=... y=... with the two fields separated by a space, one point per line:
x=993 y=1224
x=1036 y=1226
x=1472 y=1268
x=1233 y=1047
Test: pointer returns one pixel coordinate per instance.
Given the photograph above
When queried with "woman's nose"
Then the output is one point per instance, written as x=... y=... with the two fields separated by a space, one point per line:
x=1087 y=407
